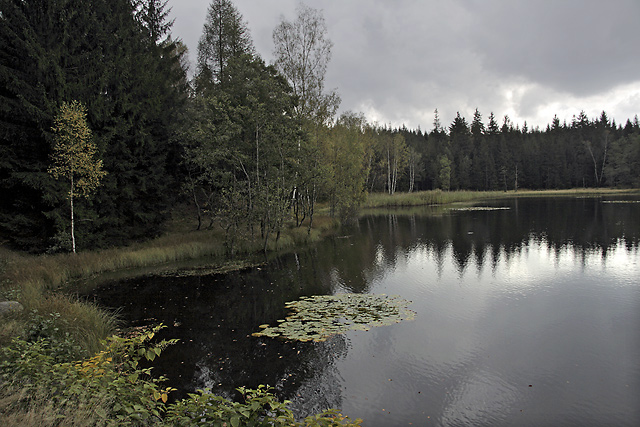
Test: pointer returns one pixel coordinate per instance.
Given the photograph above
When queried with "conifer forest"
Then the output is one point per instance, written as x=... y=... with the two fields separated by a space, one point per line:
x=249 y=145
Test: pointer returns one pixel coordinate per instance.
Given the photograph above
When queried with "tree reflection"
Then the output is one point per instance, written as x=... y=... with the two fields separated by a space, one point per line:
x=214 y=315
x=585 y=226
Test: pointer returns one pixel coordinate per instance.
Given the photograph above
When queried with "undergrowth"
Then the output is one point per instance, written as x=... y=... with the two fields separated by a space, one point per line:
x=42 y=383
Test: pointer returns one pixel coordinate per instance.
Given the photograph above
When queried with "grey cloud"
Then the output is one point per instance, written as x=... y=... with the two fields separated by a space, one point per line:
x=404 y=58
x=578 y=46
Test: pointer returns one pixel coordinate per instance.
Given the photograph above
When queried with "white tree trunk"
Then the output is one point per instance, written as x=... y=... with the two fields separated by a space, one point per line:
x=73 y=234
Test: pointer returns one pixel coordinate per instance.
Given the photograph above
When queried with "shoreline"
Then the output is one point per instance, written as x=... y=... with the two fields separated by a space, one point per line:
x=51 y=283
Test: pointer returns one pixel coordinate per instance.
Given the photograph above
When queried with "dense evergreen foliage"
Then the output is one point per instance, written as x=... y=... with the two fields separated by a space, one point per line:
x=114 y=57
x=252 y=145
x=585 y=153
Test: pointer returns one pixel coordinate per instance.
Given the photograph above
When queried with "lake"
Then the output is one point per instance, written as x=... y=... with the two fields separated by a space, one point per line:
x=527 y=313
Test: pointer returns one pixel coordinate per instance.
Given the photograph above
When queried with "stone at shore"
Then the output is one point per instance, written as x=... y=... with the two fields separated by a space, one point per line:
x=8 y=307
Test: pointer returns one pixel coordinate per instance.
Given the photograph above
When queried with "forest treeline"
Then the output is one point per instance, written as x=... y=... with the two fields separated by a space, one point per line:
x=251 y=146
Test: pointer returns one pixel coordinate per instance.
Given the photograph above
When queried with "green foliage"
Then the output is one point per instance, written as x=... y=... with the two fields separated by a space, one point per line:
x=318 y=317
x=74 y=154
x=345 y=166
x=132 y=85
x=444 y=174
x=52 y=332
x=111 y=382
x=241 y=148
x=39 y=376
x=224 y=36
x=260 y=408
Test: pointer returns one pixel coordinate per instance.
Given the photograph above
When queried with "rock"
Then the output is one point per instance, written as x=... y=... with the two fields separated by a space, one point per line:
x=8 y=307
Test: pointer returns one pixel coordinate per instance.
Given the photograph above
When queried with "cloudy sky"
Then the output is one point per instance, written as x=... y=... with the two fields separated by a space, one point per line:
x=396 y=61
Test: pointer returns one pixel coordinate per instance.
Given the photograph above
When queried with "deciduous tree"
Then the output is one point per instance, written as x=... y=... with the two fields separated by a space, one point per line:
x=74 y=156
x=302 y=52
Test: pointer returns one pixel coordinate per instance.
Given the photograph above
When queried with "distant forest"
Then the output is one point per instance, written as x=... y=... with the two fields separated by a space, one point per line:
x=251 y=146
x=476 y=156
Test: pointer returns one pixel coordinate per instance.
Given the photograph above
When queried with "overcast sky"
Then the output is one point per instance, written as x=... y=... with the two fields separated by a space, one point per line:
x=396 y=61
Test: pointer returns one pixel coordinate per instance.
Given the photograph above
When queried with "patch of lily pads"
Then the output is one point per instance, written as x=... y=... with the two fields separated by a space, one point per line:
x=482 y=208
x=316 y=318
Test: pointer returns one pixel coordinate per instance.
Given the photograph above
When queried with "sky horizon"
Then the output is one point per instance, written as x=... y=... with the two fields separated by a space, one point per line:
x=396 y=62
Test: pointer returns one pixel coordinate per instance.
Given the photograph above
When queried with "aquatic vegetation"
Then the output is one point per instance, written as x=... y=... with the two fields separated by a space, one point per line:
x=482 y=208
x=317 y=317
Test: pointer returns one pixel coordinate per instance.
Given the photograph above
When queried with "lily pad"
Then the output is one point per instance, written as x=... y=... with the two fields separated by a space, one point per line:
x=482 y=208
x=317 y=317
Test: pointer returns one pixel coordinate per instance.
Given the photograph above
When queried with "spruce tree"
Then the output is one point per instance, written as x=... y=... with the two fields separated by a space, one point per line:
x=95 y=51
x=224 y=36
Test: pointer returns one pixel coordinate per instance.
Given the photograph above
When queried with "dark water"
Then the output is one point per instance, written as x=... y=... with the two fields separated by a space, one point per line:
x=524 y=316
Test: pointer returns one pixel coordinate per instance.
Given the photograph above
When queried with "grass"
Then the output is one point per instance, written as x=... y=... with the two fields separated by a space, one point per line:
x=439 y=197
x=45 y=283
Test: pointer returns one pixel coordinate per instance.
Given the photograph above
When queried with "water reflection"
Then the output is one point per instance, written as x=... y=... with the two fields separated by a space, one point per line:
x=543 y=294
x=584 y=226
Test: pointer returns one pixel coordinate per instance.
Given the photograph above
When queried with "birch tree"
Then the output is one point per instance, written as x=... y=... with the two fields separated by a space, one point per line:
x=302 y=52
x=397 y=156
x=74 y=156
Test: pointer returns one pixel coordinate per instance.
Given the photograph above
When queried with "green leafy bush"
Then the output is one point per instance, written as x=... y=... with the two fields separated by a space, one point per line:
x=40 y=382
x=111 y=382
x=261 y=408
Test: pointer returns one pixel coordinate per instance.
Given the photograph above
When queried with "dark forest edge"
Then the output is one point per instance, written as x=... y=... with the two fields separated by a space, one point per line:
x=245 y=143
x=253 y=148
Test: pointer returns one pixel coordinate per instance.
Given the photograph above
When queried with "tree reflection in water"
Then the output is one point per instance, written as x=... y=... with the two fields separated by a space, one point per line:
x=214 y=315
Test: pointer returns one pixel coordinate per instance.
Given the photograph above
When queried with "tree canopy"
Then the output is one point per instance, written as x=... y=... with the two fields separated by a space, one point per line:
x=74 y=155
x=99 y=53
x=252 y=146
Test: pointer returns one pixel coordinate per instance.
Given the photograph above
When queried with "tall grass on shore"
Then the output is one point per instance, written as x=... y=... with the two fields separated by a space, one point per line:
x=434 y=197
x=42 y=283
x=439 y=197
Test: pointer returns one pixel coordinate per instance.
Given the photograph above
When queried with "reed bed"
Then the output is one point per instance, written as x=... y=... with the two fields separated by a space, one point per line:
x=439 y=197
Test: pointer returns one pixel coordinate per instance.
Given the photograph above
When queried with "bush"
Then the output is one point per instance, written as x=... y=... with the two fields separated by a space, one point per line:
x=118 y=392
x=41 y=385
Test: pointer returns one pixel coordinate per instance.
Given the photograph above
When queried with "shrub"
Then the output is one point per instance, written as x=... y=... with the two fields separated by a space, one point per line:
x=35 y=376
x=41 y=386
